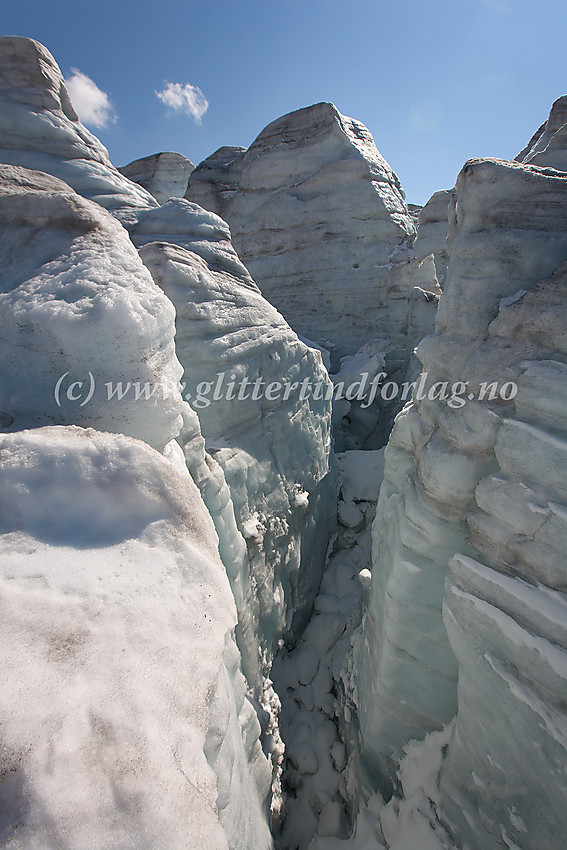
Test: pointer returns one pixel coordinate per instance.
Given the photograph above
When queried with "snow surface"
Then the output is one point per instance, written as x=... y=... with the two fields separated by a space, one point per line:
x=117 y=615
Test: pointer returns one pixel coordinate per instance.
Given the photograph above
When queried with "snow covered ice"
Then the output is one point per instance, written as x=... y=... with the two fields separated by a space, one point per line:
x=262 y=618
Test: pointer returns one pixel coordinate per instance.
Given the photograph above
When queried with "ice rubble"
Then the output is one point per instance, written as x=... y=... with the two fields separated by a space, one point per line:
x=319 y=218
x=315 y=677
x=469 y=527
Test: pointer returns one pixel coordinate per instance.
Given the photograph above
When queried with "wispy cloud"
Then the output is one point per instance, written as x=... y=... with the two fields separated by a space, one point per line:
x=188 y=99
x=92 y=105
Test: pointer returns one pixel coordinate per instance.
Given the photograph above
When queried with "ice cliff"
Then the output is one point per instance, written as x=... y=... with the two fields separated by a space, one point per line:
x=88 y=340
x=103 y=656
x=319 y=219
x=467 y=614
x=273 y=448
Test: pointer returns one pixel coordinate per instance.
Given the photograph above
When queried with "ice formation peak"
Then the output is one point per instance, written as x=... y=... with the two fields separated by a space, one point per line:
x=164 y=175
x=40 y=129
x=30 y=75
x=319 y=218
x=548 y=145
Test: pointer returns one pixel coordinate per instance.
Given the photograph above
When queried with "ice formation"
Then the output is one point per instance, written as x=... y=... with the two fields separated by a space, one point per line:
x=319 y=218
x=432 y=232
x=548 y=145
x=463 y=532
x=39 y=129
x=78 y=304
x=117 y=625
x=182 y=593
x=164 y=175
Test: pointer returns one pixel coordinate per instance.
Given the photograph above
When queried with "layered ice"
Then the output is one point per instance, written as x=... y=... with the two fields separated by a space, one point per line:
x=244 y=374
x=165 y=175
x=468 y=542
x=88 y=339
x=40 y=130
x=319 y=218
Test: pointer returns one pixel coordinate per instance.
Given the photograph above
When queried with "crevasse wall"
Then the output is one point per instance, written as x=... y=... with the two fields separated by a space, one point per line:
x=468 y=539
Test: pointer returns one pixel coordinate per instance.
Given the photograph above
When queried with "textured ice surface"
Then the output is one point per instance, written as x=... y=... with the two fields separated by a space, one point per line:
x=432 y=232
x=116 y=624
x=164 y=175
x=319 y=218
x=39 y=129
x=548 y=145
x=410 y=819
x=468 y=571
x=78 y=304
x=272 y=445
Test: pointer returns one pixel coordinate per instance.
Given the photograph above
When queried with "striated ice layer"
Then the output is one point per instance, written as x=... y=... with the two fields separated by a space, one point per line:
x=39 y=129
x=117 y=627
x=548 y=145
x=509 y=234
x=320 y=220
x=164 y=175
x=244 y=369
x=469 y=538
x=505 y=609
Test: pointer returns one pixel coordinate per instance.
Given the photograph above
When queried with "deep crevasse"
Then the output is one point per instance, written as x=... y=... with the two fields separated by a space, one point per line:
x=468 y=540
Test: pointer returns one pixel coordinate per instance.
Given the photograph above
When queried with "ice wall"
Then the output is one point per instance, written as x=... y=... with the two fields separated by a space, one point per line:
x=272 y=442
x=117 y=624
x=168 y=751
x=319 y=218
x=468 y=537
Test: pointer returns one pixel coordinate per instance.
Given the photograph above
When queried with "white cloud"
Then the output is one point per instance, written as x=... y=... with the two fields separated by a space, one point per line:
x=92 y=105
x=188 y=99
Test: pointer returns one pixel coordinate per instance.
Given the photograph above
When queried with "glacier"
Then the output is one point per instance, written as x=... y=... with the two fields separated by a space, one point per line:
x=240 y=607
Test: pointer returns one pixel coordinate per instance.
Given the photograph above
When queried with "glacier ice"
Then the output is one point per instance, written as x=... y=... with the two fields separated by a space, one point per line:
x=459 y=531
x=319 y=218
x=40 y=130
x=273 y=448
x=165 y=175
x=548 y=145
x=421 y=702
x=77 y=302
x=117 y=624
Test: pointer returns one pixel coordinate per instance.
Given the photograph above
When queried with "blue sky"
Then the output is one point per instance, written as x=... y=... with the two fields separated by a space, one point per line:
x=435 y=81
